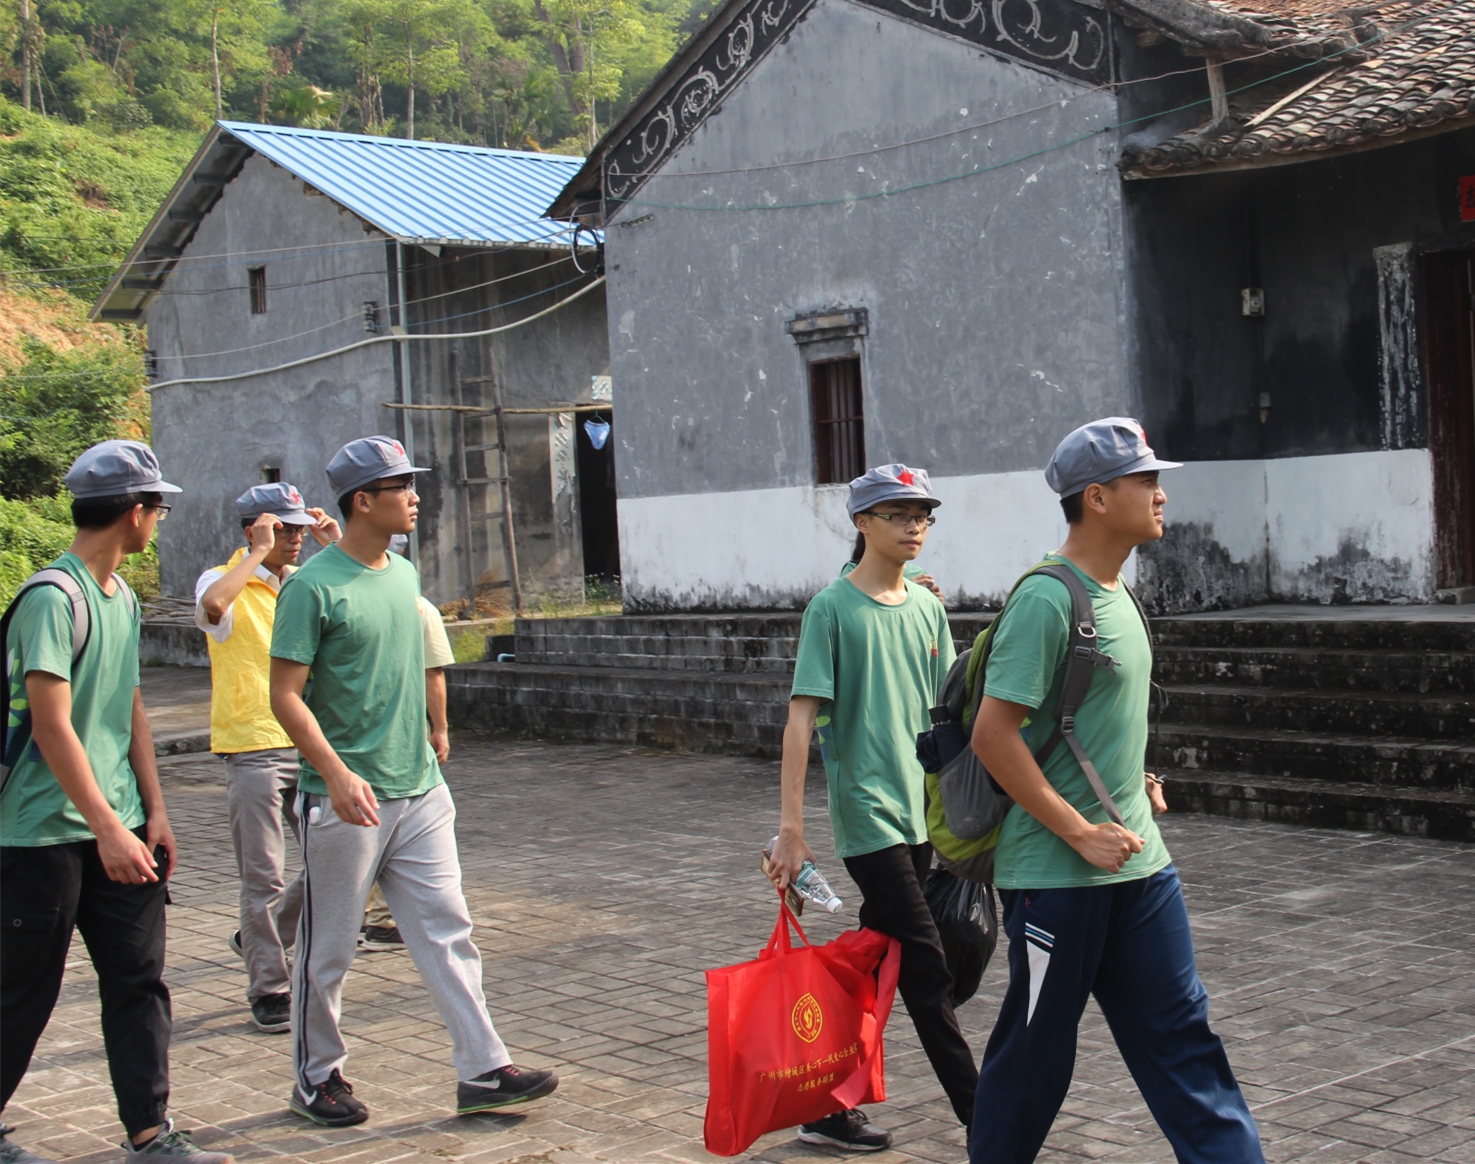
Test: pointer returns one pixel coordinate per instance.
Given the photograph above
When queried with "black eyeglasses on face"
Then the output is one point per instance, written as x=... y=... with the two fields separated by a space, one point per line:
x=903 y=519
x=400 y=488
x=161 y=510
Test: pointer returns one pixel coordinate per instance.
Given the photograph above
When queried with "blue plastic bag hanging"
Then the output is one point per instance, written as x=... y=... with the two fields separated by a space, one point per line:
x=598 y=431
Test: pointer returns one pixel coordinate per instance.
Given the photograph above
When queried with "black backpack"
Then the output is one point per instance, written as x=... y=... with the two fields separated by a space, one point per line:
x=966 y=808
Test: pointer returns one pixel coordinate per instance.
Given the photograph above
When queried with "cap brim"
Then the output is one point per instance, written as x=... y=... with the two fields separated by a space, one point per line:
x=295 y=518
x=162 y=487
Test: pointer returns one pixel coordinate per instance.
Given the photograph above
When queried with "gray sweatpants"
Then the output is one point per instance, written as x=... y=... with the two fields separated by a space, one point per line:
x=260 y=789
x=412 y=854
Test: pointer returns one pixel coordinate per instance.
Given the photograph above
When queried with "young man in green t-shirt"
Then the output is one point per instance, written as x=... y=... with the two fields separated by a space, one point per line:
x=1091 y=907
x=371 y=798
x=85 y=842
x=873 y=651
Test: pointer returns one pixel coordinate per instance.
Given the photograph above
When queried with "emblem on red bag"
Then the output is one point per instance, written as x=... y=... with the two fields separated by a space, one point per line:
x=808 y=1019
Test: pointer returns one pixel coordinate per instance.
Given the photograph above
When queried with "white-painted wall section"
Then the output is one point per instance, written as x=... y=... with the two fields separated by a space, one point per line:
x=1356 y=527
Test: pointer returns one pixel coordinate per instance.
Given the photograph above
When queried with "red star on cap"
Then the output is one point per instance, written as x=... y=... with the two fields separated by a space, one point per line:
x=905 y=477
x=399 y=448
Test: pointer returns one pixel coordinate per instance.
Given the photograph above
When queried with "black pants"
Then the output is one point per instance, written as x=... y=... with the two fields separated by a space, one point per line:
x=890 y=883
x=45 y=893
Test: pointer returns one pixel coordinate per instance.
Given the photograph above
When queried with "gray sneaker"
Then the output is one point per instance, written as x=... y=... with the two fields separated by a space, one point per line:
x=172 y=1144
x=14 y=1153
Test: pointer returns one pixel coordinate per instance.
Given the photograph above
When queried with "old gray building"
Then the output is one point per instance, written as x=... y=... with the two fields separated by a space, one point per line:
x=843 y=232
x=302 y=288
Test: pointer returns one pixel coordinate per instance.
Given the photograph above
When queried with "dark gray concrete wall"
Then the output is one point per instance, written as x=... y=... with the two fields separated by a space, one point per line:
x=551 y=361
x=995 y=306
x=1307 y=234
x=215 y=439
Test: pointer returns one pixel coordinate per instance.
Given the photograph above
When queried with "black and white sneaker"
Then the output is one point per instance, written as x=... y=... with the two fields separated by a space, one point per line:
x=847 y=1130
x=502 y=1088
x=272 y=1013
x=330 y=1103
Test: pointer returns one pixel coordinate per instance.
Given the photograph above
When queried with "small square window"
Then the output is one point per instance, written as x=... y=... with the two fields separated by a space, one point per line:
x=839 y=424
x=270 y=475
x=257 y=277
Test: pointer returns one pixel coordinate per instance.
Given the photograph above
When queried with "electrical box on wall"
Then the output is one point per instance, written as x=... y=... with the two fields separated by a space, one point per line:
x=1252 y=301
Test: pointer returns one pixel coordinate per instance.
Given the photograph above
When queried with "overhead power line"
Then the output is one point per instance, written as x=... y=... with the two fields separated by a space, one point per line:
x=382 y=339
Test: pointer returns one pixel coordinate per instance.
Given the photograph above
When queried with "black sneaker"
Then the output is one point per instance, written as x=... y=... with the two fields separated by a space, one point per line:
x=235 y=944
x=502 y=1088
x=330 y=1103
x=272 y=1013
x=382 y=938
x=848 y=1131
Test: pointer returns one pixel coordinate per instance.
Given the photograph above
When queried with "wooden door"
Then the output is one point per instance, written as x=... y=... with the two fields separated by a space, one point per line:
x=1449 y=330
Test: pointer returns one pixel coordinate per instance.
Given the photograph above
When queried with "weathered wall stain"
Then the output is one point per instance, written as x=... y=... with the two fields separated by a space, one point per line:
x=1189 y=570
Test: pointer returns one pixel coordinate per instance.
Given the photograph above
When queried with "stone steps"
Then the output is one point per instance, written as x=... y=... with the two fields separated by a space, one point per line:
x=1350 y=718
x=733 y=714
x=1443 y=716
x=1372 y=669
x=1345 y=757
x=1444 y=815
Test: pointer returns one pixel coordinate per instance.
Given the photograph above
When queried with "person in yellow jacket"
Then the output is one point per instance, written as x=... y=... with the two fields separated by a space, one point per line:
x=235 y=605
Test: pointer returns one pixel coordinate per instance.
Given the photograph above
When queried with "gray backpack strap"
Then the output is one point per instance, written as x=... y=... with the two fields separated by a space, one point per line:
x=81 y=613
x=1083 y=657
x=13 y=741
x=130 y=600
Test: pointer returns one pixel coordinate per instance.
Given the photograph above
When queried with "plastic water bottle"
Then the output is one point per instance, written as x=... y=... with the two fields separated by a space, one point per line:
x=811 y=884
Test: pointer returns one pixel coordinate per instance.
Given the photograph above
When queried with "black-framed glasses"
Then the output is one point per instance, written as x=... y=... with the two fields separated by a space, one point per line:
x=401 y=488
x=902 y=519
x=161 y=510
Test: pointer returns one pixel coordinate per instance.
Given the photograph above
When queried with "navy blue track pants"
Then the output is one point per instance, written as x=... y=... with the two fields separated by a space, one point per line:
x=1129 y=945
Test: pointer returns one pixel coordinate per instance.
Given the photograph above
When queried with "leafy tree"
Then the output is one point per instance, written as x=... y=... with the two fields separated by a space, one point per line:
x=55 y=404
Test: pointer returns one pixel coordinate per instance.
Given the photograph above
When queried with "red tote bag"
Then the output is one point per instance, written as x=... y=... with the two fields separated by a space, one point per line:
x=795 y=1035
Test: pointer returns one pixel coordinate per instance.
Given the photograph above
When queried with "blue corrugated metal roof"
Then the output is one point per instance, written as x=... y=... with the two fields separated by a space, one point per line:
x=423 y=191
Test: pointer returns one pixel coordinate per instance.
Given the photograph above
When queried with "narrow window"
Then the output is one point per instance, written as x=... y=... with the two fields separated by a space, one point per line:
x=257 y=276
x=839 y=425
x=270 y=474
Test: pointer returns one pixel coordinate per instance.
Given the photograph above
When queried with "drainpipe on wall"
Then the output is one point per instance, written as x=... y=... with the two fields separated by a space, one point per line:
x=404 y=368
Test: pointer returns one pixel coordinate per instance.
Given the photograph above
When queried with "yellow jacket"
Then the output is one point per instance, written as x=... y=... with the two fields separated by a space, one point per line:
x=240 y=663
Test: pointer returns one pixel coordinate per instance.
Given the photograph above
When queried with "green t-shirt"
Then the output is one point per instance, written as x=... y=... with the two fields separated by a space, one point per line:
x=1027 y=666
x=33 y=808
x=359 y=630
x=878 y=669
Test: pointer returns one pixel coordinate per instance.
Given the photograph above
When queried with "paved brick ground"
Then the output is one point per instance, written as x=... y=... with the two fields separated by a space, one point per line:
x=604 y=880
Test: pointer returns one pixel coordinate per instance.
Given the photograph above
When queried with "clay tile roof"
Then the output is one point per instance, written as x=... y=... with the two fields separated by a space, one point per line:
x=1408 y=69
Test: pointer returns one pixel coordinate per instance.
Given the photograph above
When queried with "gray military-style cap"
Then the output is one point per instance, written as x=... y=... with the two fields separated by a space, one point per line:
x=1100 y=452
x=113 y=468
x=890 y=483
x=366 y=460
x=279 y=499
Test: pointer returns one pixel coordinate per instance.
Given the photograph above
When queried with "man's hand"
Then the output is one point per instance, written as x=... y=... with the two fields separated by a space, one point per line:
x=787 y=858
x=353 y=800
x=158 y=835
x=1107 y=846
x=927 y=581
x=1155 y=795
x=440 y=743
x=326 y=529
x=262 y=534
x=125 y=858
